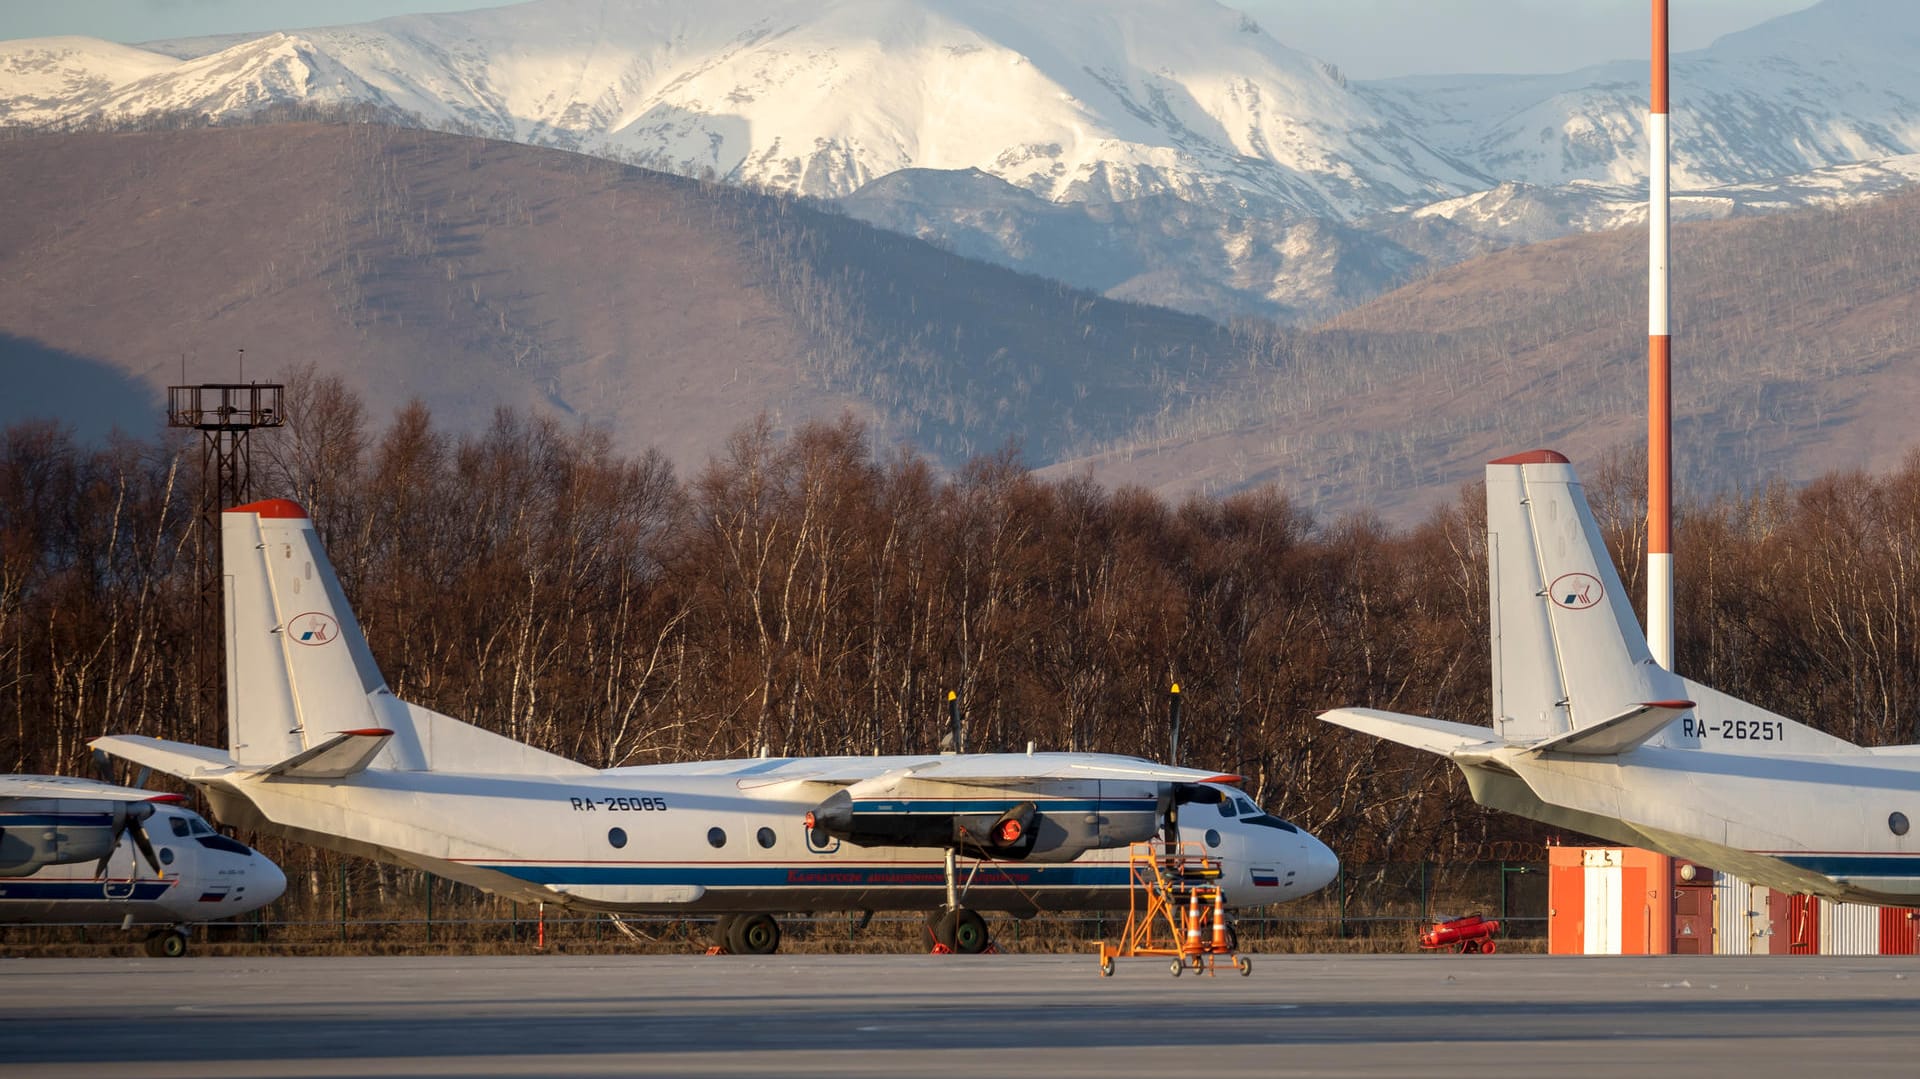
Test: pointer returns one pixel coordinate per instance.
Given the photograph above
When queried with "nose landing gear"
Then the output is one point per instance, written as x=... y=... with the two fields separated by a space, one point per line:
x=167 y=944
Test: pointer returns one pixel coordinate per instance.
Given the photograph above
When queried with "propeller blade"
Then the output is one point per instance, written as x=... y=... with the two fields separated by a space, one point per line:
x=121 y=817
x=103 y=767
x=146 y=849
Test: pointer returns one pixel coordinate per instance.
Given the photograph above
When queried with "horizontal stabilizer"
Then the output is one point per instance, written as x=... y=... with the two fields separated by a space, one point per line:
x=1619 y=734
x=174 y=758
x=338 y=757
x=1433 y=735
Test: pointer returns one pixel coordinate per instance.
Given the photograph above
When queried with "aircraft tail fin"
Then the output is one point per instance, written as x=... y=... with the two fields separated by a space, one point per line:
x=1568 y=651
x=303 y=690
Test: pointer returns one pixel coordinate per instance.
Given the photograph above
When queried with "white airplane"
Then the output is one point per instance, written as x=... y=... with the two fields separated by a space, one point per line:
x=1590 y=734
x=67 y=856
x=321 y=751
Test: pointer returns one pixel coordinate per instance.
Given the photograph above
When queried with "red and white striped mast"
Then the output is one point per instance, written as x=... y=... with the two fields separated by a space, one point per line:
x=1659 y=364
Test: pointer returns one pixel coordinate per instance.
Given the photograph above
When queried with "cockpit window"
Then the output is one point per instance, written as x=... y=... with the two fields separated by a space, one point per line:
x=179 y=826
x=1265 y=821
x=1228 y=809
x=200 y=827
x=1247 y=807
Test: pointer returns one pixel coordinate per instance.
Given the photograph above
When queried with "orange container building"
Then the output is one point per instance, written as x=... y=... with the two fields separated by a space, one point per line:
x=1626 y=901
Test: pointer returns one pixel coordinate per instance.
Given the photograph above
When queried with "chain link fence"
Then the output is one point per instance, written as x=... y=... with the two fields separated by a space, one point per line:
x=360 y=908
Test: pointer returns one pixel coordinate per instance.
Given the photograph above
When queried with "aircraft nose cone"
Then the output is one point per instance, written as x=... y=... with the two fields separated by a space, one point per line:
x=1322 y=866
x=265 y=882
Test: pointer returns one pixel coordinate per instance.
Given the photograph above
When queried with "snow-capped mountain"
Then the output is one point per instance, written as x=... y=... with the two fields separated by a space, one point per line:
x=1074 y=100
x=1163 y=150
x=1835 y=84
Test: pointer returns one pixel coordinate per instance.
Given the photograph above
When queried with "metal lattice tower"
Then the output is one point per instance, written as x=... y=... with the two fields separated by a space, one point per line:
x=225 y=414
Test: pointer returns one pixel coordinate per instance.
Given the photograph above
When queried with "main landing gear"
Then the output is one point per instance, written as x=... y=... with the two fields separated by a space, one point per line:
x=955 y=928
x=746 y=934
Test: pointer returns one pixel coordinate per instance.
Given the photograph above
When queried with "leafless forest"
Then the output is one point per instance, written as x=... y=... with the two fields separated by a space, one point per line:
x=808 y=593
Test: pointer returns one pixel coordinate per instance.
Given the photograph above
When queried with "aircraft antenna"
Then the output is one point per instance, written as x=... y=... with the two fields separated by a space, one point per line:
x=956 y=729
x=1659 y=362
x=1173 y=725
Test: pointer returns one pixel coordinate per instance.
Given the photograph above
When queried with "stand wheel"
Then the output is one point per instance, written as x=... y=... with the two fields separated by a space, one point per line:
x=1244 y=964
x=1106 y=966
x=1177 y=967
x=1487 y=948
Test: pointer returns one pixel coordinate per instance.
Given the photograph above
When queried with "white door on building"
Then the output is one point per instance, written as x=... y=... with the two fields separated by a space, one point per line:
x=1603 y=902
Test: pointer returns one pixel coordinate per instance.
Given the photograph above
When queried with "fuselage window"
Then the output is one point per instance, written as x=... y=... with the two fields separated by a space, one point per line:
x=1213 y=838
x=166 y=855
x=765 y=837
x=717 y=837
x=617 y=837
x=1898 y=823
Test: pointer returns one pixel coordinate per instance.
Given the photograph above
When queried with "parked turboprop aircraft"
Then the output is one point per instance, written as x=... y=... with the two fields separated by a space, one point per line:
x=67 y=856
x=322 y=751
x=1590 y=734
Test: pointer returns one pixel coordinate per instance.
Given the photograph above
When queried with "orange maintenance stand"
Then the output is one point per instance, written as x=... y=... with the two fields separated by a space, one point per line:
x=1176 y=910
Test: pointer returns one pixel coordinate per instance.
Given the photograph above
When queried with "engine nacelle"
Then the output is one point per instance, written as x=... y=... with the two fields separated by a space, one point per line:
x=59 y=831
x=1022 y=832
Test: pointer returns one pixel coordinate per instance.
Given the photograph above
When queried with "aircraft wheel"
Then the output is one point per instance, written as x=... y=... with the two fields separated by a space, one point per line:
x=723 y=931
x=969 y=932
x=167 y=944
x=940 y=929
x=753 y=934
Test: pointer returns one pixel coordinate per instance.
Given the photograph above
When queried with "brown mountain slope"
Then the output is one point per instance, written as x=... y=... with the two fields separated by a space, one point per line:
x=474 y=274
x=1796 y=345
x=468 y=274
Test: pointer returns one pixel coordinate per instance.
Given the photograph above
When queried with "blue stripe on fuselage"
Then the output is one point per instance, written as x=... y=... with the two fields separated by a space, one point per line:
x=51 y=820
x=822 y=874
x=1856 y=865
x=81 y=889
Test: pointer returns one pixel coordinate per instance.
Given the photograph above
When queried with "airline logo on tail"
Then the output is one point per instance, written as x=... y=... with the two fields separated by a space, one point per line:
x=313 y=628
x=1577 y=591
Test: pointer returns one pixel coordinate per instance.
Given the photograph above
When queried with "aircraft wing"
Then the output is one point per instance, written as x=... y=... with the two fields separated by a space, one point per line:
x=977 y=769
x=1004 y=767
x=14 y=787
x=1433 y=735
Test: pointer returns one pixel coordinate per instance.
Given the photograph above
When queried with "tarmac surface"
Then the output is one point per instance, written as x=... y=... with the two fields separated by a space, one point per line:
x=931 y=1017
